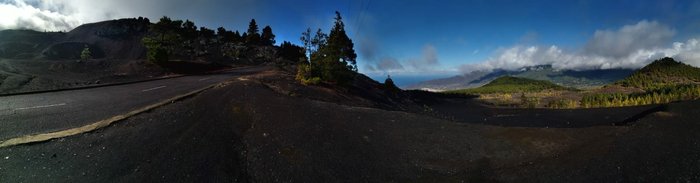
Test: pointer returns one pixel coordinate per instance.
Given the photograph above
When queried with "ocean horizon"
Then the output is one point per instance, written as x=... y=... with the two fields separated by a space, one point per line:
x=403 y=81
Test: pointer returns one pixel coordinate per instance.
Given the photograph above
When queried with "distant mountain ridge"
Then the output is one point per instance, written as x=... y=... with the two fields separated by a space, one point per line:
x=510 y=84
x=567 y=78
x=119 y=39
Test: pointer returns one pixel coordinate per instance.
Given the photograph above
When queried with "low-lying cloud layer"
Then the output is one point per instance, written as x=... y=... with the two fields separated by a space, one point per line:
x=631 y=46
x=64 y=15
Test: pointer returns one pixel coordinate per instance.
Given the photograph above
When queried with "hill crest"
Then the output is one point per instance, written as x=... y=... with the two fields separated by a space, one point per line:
x=567 y=78
x=660 y=73
x=510 y=84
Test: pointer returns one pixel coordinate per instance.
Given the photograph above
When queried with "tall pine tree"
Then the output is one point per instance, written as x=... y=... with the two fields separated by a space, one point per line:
x=340 y=45
x=337 y=57
x=267 y=38
x=253 y=36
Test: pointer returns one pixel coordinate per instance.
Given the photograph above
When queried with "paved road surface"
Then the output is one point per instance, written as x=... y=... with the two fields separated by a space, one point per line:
x=47 y=112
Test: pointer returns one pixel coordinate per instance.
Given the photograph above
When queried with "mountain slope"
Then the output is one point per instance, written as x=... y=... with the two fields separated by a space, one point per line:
x=568 y=78
x=33 y=60
x=509 y=84
x=116 y=39
x=660 y=73
x=25 y=44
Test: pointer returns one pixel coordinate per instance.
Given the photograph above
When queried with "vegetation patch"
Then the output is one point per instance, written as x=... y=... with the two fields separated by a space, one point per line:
x=665 y=94
x=563 y=104
x=509 y=84
x=662 y=81
x=662 y=73
x=332 y=56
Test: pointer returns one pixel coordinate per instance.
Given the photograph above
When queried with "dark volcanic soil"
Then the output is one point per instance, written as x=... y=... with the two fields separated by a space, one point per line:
x=20 y=75
x=248 y=130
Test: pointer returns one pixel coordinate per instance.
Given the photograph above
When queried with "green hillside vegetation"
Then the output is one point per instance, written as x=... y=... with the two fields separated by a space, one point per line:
x=662 y=73
x=665 y=94
x=664 y=80
x=509 y=84
x=571 y=78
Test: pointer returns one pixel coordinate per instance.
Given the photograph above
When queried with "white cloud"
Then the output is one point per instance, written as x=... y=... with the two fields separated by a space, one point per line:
x=58 y=15
x=428 y=61
x=18 y=14
x=518 y=56
x=632 y=46
x=389 y=64
x=629 y=38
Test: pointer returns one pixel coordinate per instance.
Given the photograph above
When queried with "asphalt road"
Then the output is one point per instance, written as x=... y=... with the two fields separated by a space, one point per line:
x=48 y=112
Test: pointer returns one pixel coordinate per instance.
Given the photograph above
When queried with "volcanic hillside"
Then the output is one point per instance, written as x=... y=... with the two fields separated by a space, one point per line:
x=568 y=78
x=119 y=39
x=660 y=73
x=510 y=84
x=34 y=61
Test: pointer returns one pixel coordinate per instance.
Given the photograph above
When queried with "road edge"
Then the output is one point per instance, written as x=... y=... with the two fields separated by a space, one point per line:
x=120 y=83
x=99 y=124
x=92 y=86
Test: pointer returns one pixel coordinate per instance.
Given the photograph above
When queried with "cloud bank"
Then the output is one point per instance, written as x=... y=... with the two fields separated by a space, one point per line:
x=18 y=14
x=628 y=39
x=631 y=46
x=64 y=15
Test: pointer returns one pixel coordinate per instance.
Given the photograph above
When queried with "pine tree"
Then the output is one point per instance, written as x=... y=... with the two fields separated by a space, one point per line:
x=332 y=56
x=237 y=37
x=189 y=30
x=253 y=36
x=267 y=38
x=336 y=59
x=224 y=36
x=162 y=39
x=341 y=45
x=319 y=40
x=206 y=34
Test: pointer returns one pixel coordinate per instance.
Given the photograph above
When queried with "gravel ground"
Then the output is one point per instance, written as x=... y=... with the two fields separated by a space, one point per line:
x=246 y=131
x=18 y=76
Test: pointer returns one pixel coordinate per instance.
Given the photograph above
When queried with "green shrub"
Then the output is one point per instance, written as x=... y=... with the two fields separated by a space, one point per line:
x=305 y=75
x=529 y=102
x=85 y=54
x=562 y=104
x=311 y=81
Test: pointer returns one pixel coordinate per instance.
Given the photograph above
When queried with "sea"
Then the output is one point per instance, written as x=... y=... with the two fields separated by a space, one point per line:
x=403 y=81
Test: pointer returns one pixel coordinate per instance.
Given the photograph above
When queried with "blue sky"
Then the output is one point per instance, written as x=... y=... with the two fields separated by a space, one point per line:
x=428 y=37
